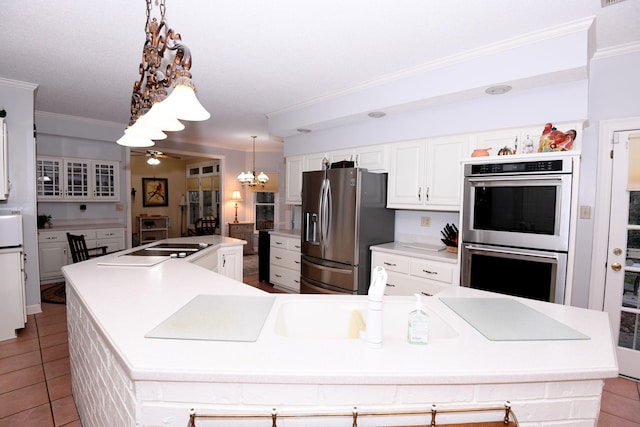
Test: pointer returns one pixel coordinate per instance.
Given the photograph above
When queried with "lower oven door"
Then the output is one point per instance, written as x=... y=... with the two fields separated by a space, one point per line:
x=527 y=273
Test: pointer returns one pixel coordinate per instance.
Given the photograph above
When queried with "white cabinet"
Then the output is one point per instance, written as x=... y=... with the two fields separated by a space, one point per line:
x=410 y=275
x=284 y=260
x=293 y=185
x=374 y=158
x=54 y=253
x=230 y=262
x=13 y=312
x=66 y=180
x=427 y=174
x=406 y=181
x=444 y=172
x=225 y=260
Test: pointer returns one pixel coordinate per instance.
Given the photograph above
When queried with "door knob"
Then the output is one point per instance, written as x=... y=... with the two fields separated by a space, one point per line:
x=616 y=266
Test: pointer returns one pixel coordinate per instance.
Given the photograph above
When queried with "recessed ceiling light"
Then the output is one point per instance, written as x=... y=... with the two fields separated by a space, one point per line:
x=377 y=114
x=498 y=90
x=303 y=130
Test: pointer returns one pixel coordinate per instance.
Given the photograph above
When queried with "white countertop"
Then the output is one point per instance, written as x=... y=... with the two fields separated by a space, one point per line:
x=127 y=302
x=416 y=250
x=286 y=233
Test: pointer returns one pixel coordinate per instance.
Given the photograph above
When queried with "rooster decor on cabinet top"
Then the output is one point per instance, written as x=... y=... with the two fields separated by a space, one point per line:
x=555 y=140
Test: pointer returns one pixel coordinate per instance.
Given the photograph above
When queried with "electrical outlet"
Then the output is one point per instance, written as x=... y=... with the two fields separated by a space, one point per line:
x=119 y=208
x=425 y=221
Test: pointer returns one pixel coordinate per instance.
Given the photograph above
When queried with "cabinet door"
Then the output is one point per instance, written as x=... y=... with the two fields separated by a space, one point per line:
x=313 y=162
x=53 y=256
x=444 y=172
x=105 y=181
x=374 y=158
x=406 y=184
x=294 y=180
x=76 y=175
x=230 y=263
x=49 y=178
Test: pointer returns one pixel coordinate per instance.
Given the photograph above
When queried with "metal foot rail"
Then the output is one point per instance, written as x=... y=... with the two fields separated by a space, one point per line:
x=509 y=419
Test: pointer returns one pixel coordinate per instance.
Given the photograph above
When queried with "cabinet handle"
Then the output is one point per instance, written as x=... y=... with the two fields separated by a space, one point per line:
x=297 y=246
x=297 y=262
x=390 y=285
x=424 y=293
x=224 y=260
x=278 y=243
x=429 y=272
x=277 y=275
x=277 y=257
x=390 y=264
x=419 y=194
x=426 y=194
x=296 y=281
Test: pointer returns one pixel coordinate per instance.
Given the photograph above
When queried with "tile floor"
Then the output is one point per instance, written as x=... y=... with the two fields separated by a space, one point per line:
x=35 y=380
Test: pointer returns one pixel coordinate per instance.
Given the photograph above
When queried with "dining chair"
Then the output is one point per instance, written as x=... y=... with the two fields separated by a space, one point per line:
x=79 y=250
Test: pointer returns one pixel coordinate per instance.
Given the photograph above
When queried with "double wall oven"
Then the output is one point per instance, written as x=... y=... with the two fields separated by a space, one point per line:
x=515 y=227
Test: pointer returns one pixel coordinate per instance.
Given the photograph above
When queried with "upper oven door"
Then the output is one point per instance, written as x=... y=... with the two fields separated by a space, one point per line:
x=527 y=211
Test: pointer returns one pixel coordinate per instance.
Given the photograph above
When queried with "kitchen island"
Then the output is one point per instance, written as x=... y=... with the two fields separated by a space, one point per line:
x=302 y=363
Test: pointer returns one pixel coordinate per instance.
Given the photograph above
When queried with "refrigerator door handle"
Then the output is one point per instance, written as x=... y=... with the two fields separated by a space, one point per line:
x=327 y=216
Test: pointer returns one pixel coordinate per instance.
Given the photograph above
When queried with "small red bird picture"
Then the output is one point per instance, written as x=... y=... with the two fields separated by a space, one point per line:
x=555 y=140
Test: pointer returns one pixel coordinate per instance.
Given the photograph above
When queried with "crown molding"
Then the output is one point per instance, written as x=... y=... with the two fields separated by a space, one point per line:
x=18 y=84
x=580 y=25
x=622 y=49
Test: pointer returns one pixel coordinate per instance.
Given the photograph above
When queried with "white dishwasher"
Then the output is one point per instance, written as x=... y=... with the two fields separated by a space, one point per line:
x=13 y=312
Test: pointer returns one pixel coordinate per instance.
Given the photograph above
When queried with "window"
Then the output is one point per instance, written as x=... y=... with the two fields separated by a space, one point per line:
x=265 y=210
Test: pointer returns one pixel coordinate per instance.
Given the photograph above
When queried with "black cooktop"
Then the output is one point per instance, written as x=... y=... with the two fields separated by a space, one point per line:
x=180 y=250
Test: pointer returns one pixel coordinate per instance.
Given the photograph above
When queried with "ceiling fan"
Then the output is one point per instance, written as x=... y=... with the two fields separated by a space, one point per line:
x=153 y=155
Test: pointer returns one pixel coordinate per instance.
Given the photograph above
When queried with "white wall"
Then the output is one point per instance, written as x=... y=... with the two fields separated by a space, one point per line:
x=18 y=101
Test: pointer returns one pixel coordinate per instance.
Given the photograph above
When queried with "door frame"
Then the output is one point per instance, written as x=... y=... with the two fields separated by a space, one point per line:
x=602 y=209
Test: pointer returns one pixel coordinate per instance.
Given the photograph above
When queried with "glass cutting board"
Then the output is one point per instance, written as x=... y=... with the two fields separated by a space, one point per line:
x=505 y=319
x=217 y=318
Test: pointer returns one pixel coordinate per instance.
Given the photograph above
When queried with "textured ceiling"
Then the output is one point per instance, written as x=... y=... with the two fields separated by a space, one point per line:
x=255 y=57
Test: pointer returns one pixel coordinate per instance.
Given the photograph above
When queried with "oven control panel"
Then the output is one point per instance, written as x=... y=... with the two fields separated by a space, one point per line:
x=537 y=166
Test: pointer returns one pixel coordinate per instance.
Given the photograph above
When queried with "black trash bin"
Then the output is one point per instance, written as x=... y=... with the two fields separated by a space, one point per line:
x=264 y=244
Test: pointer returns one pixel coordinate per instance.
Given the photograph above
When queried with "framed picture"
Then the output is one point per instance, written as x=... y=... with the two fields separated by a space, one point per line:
x=156 y=192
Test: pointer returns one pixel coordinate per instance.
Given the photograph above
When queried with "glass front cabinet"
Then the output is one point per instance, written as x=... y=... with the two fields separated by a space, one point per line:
x=62 y=179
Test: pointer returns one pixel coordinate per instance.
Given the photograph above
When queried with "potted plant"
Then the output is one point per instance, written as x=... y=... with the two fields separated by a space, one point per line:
x=44 y=221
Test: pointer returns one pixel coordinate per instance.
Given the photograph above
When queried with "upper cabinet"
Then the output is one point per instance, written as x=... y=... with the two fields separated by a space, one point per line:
x=427 y=174
x=293 y=178
x=373 y=158
x=66 y=180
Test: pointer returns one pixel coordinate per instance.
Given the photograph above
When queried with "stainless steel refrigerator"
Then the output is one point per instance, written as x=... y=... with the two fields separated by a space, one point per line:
x=343 y=212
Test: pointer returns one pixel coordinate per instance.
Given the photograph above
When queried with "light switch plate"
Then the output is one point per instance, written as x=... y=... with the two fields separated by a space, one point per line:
x=585 y=212
x=425 y=221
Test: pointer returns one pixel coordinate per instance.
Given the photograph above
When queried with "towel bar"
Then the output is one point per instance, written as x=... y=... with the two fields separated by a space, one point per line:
x=509 y=419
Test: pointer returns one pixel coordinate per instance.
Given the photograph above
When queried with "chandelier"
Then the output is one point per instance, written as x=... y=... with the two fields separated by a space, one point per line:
x=249 y=178
x=166 y=63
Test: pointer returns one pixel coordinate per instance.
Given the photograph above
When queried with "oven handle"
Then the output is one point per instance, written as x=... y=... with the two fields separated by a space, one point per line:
x=503 y=251
x=510 y=178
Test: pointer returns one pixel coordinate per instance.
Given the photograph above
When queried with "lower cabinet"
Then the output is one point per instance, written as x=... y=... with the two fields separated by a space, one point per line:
x=226 y=261
x=284 y=268
x=410 y=275
x=54 y=253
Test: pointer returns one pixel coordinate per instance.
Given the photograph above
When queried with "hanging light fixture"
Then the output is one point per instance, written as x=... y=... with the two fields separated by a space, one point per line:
x=249 y=178
x=153 y=158
x=153 y=110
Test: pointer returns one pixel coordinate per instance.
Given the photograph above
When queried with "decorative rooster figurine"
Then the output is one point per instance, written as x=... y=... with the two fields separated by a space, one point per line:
x=554 y=140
